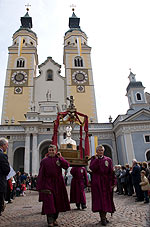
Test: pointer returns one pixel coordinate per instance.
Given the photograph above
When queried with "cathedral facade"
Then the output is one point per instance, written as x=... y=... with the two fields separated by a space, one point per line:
x=33 y=98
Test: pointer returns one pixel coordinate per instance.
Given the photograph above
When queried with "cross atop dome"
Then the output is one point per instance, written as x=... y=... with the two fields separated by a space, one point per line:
x=73 y=6
x=28 y=5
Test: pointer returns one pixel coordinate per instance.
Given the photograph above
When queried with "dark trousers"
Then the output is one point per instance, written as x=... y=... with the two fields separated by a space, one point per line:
x=124 y=186
x=51 y=218
x=130 y=188
x=1 y=201
x=102 y=215
x=83 y=205
x=146 y=197
x=139 y=192
x=119 y=186
x=8 y=195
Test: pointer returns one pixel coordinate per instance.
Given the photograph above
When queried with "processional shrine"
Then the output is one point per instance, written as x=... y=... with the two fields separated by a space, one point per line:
x=68 y=147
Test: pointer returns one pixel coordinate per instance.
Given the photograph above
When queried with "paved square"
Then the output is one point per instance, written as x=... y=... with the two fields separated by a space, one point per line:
x=26 y=212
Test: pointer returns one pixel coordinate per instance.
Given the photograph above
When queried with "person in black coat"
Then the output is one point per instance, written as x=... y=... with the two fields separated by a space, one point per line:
x=130 y=189
x=136 y=179
x=4 y=171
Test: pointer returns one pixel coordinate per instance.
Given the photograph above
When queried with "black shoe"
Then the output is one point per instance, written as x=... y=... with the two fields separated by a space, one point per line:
x=146 y=201
x=104 y=223
x=107 y=220
x=55 y=223
x=10 y=201
x=84 y=207
x=139 y=200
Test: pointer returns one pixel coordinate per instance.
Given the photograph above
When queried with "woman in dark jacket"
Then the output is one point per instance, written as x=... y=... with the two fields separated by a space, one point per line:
x=4 y=171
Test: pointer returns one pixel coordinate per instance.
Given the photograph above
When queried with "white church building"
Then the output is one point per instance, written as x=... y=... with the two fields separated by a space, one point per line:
x=32 y=100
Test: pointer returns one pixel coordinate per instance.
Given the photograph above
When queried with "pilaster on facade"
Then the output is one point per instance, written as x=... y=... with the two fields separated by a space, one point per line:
x=10 y=153
x=27 y=154
x=114 y=152
x=35 y=155
x=129 y=148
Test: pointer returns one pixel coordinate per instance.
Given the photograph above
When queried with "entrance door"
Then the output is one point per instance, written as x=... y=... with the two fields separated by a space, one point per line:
x=148 y=155
x=44 y=152
x=107 y=151
x=18 y=162
x=44 y=149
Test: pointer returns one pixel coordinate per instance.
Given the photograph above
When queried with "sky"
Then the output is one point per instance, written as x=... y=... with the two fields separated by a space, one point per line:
x=118 y=32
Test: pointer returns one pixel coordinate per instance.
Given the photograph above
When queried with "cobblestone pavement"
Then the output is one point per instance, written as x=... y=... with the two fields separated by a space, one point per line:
x=26 y=212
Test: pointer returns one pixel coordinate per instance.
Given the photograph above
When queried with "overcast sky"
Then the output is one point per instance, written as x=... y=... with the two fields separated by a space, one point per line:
x=118 y=32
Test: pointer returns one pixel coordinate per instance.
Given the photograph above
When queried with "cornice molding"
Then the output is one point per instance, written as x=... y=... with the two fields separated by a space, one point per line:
x=132 y=128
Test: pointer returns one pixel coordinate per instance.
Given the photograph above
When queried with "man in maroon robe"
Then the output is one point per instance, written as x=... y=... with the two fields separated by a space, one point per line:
x=51 y=186
x=102 y=184
x=78 y=183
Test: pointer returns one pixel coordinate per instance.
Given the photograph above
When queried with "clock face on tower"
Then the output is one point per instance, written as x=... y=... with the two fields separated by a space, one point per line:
x=19 y=77
x=79 y=77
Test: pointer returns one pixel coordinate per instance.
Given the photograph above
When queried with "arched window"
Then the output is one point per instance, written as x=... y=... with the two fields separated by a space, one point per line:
x=138 y=95
x=49 y=75
x=78 y=62
x=148 y=155
x=20 y=63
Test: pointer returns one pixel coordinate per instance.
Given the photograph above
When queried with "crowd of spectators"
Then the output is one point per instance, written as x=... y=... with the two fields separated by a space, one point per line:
x=17 y=186
x=133 y=180
x=128 y=182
